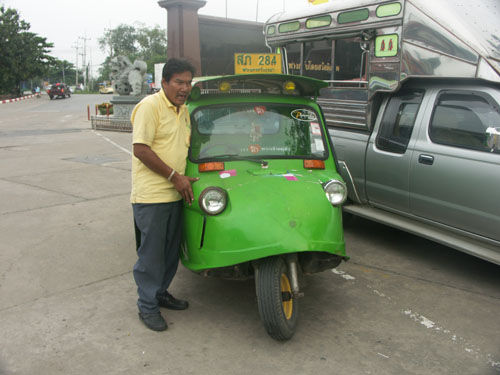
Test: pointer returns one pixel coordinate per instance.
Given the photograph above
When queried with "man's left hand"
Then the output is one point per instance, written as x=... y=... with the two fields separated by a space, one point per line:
x=183 y=185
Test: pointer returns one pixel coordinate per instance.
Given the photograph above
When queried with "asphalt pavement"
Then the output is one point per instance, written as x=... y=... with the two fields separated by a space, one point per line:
x=401 y=305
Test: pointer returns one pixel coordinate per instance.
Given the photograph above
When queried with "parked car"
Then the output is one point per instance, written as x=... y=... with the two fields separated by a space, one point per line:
x=59 y=90
x=106 y=90
x=431 y=164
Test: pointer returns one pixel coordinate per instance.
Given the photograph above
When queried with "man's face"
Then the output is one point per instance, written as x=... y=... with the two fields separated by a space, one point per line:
x=178 y=88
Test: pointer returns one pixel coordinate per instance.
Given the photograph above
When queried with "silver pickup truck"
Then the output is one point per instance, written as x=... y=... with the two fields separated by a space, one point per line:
x=431 y=165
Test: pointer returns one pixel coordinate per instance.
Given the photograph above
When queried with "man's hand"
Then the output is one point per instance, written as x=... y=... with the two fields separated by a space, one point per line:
x=183 y=185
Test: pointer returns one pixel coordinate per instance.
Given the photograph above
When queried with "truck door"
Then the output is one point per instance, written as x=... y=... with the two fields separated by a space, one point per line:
x=388 y=157
x=456 y=172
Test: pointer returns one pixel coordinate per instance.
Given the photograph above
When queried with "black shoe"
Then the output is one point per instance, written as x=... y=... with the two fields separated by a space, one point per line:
x=170 y=302
x=153 y=321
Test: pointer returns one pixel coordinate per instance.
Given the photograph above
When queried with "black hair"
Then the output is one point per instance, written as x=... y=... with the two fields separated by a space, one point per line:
x=175 y=65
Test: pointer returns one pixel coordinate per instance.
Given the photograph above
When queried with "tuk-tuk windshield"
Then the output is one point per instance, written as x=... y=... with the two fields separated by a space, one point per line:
x=256 y=130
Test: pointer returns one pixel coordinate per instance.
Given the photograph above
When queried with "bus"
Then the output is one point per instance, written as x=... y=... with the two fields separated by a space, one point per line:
x=363 y=48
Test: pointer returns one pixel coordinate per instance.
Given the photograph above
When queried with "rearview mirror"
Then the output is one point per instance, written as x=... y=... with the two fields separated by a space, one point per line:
x=493 y=138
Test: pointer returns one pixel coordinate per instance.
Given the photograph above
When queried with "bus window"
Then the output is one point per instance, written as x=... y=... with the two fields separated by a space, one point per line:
x=293 y=56
x=318 y=59
x=347 y=59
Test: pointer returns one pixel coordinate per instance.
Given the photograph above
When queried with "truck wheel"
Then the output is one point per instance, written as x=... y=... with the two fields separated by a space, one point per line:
x=51 y=97
x=277 y=309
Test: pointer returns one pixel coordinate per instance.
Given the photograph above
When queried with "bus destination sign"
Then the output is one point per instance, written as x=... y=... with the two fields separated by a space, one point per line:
x=257 y=63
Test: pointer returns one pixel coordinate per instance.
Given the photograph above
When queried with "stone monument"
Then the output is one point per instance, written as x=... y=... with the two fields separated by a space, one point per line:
x=130 y=84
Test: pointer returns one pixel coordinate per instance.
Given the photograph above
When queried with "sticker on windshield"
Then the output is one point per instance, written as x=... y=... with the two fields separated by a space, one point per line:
x=260 y=109
x=304 y=115
x=254 y=149
x=319 y=145
x=315 y=129
x=255 y=132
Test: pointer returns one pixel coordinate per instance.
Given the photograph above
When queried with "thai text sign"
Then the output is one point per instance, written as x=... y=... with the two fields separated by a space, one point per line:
x=257 y=63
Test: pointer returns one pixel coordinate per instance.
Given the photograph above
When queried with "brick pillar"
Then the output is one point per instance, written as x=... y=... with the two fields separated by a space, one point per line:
x=183 y=32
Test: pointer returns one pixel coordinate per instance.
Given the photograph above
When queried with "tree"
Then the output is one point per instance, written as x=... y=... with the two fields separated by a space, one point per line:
x=135 y=42
x=62 y=71
x=24 y=54
x=120 y=41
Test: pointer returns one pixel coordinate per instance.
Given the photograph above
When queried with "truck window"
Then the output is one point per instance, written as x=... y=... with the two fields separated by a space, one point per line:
x=463 y=119
x=398 y=121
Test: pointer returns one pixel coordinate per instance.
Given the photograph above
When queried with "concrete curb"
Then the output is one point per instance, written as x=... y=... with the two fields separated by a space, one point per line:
x=18 y=99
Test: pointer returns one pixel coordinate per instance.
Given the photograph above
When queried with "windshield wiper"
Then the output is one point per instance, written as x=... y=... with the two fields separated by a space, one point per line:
x=264 y=163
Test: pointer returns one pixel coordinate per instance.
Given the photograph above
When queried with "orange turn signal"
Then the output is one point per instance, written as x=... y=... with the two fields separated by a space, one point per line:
x=212 y=166
x=314 y=164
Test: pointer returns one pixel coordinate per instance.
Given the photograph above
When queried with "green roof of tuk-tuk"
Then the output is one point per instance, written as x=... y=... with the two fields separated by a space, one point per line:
x=305 y=85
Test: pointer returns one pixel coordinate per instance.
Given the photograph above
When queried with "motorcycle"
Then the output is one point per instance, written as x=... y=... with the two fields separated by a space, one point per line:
x=268 y=202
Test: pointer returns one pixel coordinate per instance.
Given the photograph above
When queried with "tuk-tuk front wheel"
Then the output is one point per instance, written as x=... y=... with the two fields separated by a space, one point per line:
x=278 y=310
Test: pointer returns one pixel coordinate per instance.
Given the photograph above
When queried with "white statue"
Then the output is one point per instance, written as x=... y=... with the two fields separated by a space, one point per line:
x=129 y=79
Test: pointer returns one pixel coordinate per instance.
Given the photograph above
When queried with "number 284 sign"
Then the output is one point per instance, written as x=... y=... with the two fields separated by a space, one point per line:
x=257 y=63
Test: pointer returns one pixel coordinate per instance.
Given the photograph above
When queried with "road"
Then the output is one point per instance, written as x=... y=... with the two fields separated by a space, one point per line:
x=401 y=305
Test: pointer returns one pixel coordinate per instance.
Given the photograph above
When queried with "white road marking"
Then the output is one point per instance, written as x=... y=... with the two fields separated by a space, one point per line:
x=420 y=319
x=343 y=274
x=429 y=324
x=467 y=346
x=113 y=143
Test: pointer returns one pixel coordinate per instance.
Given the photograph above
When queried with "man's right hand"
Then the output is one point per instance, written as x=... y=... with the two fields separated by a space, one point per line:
x=183 y=185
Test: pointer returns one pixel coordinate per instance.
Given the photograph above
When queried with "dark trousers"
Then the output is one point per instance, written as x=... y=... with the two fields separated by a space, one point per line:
x=158 y=236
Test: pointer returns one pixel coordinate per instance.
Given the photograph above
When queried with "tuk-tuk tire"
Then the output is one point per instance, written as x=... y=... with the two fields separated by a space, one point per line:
x=271 y=282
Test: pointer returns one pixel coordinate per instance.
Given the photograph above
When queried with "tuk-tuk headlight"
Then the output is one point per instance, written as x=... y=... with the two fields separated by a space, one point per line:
x=335 y=191
x=213 y=200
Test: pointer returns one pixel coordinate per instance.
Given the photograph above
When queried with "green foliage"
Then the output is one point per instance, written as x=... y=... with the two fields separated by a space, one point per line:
x=24 y=54
x=139 y=42
x=105 y=108
x=62 y=71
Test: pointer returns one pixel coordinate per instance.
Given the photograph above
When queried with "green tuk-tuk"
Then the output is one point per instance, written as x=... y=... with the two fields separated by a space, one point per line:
x=268 y=202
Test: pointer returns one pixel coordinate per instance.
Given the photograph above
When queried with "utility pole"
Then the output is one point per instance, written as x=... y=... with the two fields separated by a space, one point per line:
x=91 y=67
x=77 y=47
x=84 y=60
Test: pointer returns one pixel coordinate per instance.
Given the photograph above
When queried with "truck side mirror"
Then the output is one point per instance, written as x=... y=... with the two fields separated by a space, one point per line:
x=493 y=139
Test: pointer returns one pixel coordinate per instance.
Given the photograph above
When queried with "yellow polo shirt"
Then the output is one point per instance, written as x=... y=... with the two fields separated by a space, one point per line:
x=156 y=123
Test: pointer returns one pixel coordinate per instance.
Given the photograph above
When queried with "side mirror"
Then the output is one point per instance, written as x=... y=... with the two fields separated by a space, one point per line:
x=493 y=139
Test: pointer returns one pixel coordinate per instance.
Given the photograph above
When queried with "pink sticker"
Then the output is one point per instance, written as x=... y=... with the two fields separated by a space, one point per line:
x=290 y=177
x=254 y=149
x=228 y=173
x=260 y=109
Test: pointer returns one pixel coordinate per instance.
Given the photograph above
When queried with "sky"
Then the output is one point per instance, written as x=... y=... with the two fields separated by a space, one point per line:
x=69 y=23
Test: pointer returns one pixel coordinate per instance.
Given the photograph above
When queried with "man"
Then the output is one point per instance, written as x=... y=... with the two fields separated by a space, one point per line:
x=161 y=136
